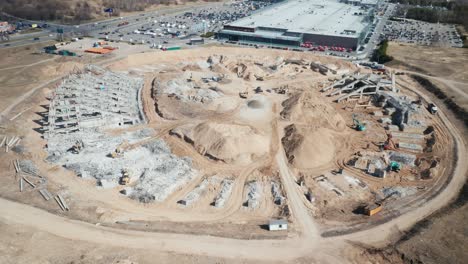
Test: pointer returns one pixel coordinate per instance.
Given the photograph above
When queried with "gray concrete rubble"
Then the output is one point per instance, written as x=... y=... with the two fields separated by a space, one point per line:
x=254 y=193
x=407 y=159
x=358 y=85
x=154 y=171
x=398 y=191
x=408 y=137
x=187 y=92
x=224 y=194
x=404 y=112
x=28 y=166
x=373 y=163
x=87 y=102
x=195 y=194
x=410 y=146
x=278 y=197
x=94 y=98
x=377 y=168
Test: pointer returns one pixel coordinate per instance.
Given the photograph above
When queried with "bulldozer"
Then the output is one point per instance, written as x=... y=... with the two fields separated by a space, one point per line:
x=125 y=179
x=119 y=151
x=358 y=125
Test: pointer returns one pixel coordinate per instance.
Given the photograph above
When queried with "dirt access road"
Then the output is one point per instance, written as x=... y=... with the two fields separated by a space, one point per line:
x=308 y=244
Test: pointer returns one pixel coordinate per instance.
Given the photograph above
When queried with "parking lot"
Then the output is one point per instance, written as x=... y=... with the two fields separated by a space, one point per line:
x=176 y=29
x=421 y=33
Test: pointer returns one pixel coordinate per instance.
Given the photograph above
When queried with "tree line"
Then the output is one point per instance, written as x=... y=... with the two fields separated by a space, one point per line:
x=72 y=11
x=454 y=12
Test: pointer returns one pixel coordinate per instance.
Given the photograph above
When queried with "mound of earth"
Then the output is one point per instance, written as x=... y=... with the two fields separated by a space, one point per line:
x=308 y=148
x=310 y=109
x=231 y=143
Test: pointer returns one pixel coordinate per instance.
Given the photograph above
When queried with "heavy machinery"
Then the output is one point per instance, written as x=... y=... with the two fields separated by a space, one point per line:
x=76 y=149
x=377 y=206
x=432 y=108
x=358 y=125
x=119 y=151
x=125 y=179
x=389 y=143
x=395 y=166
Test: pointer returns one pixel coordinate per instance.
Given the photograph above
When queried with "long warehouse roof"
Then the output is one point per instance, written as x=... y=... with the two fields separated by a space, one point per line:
x=327 y=17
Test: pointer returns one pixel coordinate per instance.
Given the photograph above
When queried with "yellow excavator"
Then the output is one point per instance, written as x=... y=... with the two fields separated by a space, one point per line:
x=125 y=179
x=119 y=151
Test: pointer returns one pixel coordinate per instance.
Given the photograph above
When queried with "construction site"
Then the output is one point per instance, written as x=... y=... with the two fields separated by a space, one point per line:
x=218 y=141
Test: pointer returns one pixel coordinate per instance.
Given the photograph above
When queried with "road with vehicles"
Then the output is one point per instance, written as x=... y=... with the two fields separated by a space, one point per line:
x=122 y=28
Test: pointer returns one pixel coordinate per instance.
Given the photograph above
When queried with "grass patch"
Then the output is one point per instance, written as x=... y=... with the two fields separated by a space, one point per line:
x=460 y=112
x=208 y=35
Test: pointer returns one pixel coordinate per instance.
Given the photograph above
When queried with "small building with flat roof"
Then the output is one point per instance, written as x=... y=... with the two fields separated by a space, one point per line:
x=275 y=225
x=294 y=22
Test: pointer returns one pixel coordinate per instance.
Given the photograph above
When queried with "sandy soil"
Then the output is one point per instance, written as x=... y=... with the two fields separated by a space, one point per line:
x=234 y=232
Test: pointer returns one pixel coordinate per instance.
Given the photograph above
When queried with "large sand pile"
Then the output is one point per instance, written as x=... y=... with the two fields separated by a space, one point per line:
x=309 y=141
x=308 y=148
x=231 y=143
x=308 y=108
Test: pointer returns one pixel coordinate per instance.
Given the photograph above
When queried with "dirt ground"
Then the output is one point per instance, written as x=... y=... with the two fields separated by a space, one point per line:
x=447 y=67
x=183 y=118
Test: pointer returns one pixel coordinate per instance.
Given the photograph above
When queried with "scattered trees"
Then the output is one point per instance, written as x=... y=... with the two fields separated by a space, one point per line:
x=380 y=55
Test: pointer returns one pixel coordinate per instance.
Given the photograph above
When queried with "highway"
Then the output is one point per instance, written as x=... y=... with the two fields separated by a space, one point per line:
x=90 y=28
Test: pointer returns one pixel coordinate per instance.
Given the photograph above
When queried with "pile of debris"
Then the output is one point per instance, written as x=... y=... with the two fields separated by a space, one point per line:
x=254 y=194
x=152 y=170
x=195 y=194
x=223 y=195
x=278 y=197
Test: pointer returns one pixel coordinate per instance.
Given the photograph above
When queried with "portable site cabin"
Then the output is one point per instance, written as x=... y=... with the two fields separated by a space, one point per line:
x=275 y=225
x=372 y=209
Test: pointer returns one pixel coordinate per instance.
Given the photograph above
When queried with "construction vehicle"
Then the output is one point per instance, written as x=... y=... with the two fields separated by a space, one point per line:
x=125 y=179
x=119 y=151
x=389 y=143
x=377 y=206
x=432 y=108
x=76 y=149
x=358 y=125
x=395 y=166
